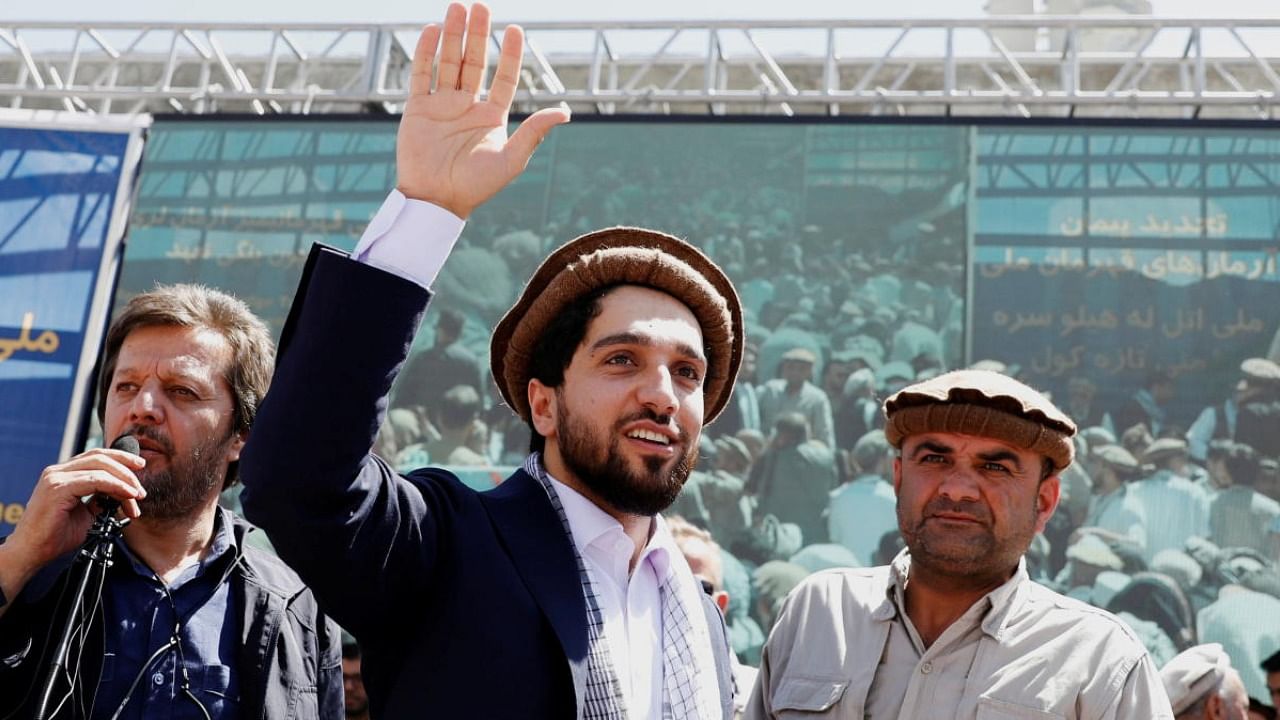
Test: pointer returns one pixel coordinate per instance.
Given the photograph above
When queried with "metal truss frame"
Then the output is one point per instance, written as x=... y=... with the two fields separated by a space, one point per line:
x=1035 y=66
x=1246 y=166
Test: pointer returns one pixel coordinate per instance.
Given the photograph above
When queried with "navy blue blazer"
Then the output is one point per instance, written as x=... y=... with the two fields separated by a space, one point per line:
x=465 y=604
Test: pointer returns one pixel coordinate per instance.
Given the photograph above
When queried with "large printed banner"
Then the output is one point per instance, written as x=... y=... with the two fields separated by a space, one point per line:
x=801 y=216
x=60 y=191
x=1104 y=253
x=1111 y=255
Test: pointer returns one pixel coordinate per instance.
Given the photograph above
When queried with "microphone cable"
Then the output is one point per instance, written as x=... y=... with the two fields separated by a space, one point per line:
x=175 y=642
x=84 y=622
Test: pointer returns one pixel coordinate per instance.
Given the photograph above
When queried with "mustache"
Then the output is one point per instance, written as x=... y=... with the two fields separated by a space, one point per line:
x=652 y=416
x=975 y=510
x=152 y=433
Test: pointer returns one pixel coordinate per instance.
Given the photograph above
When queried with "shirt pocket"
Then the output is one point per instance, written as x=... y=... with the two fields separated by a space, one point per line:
x=993 y=709
x=213 y=681
x=811 y=697
x=304 y=702
x=213 y=687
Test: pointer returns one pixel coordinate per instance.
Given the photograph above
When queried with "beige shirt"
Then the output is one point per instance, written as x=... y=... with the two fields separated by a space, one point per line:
x=842 y=648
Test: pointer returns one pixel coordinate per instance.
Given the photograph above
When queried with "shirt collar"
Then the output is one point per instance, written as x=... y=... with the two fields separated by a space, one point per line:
x=223 y=544
x=999 y=602
x=589 y=523
x=661 y=548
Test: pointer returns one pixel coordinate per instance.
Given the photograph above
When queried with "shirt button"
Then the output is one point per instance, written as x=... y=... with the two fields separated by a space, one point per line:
x=926 y=668
x=158 y=678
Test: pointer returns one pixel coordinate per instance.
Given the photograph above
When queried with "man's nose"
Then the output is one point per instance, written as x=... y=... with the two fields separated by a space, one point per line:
x=658 y=391
x=146 y=406
x=959 y=484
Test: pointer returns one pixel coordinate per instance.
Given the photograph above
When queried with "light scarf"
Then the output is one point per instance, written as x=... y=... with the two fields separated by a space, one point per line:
x=690 y=688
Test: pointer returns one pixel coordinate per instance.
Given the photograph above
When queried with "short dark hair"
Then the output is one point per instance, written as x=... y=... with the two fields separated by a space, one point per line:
x=253 y=354
x=450 y=321
x=1047 y=469
x=350 y=649
x=1158 y=375
x=555 y=347
x=1240 y=459
x=791 y=428
x=1271 y=664
x=1261 y=708
x=458 y=407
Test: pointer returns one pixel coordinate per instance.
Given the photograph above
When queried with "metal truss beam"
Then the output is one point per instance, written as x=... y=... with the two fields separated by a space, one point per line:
x=1021 y=66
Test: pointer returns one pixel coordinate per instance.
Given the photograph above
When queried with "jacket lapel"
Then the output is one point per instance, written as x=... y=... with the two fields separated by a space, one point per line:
x=543 y=555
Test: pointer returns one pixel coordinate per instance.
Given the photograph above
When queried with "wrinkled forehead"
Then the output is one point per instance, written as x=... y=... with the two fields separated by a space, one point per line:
x=174 y=350
x=964 y=444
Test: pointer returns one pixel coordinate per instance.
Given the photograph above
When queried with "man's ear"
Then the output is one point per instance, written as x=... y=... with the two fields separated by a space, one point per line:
x=1213 y=709
x=236 y=445
x=1047 y=496
x=542 y=408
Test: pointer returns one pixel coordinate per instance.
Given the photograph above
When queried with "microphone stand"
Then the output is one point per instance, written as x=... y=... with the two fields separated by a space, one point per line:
x=94 y=557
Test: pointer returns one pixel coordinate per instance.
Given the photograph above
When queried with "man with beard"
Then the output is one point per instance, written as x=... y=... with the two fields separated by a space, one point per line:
x=561 y=593
x=954 y=627
x=193 y=623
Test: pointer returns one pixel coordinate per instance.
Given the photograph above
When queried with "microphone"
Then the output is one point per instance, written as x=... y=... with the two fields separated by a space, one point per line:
x=129 y=444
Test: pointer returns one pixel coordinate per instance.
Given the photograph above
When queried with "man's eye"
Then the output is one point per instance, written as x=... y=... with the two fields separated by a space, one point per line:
x=689 y=372
x=182 y=392
x=995 y=467
x=125 y=387
x=618 y=360
x=933 y=459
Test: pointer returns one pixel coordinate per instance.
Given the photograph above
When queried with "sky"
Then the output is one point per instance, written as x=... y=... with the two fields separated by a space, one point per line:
x=525 y=10
x=920 y=42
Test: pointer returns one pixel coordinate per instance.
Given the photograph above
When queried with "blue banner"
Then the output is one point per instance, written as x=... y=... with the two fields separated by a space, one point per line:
x=58 y=190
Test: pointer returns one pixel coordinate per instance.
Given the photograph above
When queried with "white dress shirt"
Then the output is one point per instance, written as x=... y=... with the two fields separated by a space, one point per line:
x=409 y=238
x=630 y=602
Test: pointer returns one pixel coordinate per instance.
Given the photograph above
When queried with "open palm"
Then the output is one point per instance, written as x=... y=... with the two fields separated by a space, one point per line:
x=452 y=148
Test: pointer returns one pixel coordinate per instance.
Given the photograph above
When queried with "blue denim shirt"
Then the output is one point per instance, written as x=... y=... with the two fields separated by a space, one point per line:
x=139 y=620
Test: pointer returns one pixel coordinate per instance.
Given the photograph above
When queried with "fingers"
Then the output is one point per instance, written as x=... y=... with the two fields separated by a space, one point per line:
x=129 y=507
x=455 y=22
x=424 y=57
x=507 y=76
x=531 y=132
x=477 y=50
x=105 y=471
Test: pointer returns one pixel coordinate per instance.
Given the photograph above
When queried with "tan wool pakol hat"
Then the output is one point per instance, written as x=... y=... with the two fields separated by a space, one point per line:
x=985 y=404
x=622 y=256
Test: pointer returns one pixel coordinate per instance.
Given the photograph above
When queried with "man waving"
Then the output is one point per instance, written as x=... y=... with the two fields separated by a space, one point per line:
x=560 y=594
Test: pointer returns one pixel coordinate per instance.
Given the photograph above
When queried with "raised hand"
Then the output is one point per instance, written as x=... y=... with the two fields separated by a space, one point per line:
x=452 y=148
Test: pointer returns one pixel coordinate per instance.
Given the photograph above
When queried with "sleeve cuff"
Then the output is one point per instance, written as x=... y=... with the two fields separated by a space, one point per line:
x=409 y=238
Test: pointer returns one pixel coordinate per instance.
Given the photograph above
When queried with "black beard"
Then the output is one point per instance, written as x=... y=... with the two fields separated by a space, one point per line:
x=182 y=487
x=605 y=471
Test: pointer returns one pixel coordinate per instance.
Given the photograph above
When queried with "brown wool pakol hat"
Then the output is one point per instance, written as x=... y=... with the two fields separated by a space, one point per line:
x=985 y=404
x=622 y=256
